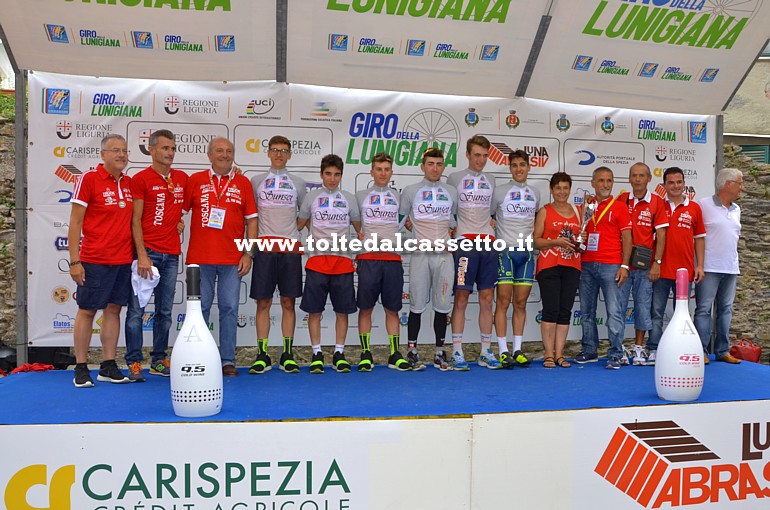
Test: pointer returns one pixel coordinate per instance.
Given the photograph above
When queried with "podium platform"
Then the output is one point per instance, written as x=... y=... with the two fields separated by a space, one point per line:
x=583 y=437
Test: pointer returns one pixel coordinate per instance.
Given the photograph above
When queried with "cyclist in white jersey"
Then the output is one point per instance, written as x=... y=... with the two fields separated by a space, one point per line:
x=515 y=206
x=279 y=195
x=329 y=212
x=380 y=273
x=479 y=267
x=430 y=206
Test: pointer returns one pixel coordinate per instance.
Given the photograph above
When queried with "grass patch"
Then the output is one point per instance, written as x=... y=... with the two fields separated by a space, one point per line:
x=8 y=106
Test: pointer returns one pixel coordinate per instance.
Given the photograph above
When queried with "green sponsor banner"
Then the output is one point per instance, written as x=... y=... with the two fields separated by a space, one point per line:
x=481 y=11
x=187 y=5
x=664 y=25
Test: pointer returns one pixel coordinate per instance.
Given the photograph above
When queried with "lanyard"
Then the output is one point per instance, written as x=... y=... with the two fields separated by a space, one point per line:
x=169 y=182
x=222 y=191
x=603 y=212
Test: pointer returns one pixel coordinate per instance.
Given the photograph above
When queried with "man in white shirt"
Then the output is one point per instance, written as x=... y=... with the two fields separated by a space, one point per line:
x=722 y=217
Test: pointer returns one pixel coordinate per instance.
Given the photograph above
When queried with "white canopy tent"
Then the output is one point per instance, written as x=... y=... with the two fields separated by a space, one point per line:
x=659 y=55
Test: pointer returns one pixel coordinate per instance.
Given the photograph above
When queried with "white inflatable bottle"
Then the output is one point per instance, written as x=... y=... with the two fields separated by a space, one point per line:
x=679 y=361
x=196 y=369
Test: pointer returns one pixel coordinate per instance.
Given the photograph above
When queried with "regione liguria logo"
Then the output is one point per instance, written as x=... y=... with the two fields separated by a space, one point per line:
x=659 y=464
x=64 y=129
x=144 y=141
x=171 y=105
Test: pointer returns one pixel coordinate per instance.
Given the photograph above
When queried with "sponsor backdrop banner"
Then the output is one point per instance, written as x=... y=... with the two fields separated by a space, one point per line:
x=477 y=48
x=69 y=115
x=672 y=456
x=160 y=39
x=669 y=55
x=232 y=466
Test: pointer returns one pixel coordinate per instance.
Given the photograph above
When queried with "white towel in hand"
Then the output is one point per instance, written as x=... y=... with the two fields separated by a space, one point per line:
x=143 y=286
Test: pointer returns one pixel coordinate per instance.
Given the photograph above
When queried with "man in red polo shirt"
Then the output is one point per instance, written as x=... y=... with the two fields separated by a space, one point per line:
x=685 y=247
x=223 y=207
x=158 y=193
x=605 y=267
x=649 y=222
x=100 y=264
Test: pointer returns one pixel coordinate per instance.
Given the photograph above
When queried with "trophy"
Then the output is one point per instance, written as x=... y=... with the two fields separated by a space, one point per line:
x=589 y=208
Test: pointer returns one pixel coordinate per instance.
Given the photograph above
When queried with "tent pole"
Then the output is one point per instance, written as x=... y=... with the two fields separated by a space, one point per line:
x=534 y=53
x=720 y=141
x=21 y=216
x=281 y=32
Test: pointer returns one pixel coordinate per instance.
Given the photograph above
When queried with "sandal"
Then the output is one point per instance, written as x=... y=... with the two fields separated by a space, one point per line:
x=562 y=362
x=549 y=362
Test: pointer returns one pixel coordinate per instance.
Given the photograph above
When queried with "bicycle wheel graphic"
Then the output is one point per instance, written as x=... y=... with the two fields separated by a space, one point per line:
x=434 y=125
x=738 y=8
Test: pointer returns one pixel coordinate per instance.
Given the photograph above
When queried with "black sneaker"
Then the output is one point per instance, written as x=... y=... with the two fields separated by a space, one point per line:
x=262 y=364
x=584 y=357
x=507 y=361
x=287 y=363
x=520 y=359
x=414 y=360
x=367 y=362
x=317 y=364
x=82 y=377
x=109 y=373
x=341 y=365
x=397 y=362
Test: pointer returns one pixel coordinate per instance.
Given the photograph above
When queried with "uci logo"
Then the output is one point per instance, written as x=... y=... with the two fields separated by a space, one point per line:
x=26 y=478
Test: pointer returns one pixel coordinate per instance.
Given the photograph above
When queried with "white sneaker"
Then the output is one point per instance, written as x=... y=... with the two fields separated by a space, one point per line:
x=650 y=358
x=488 y=360
x=458 y=362
x=639 y=357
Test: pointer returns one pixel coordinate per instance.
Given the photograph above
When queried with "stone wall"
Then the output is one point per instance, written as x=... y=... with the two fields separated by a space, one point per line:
x=751 y=318
x=752 y=303
x=7 y=234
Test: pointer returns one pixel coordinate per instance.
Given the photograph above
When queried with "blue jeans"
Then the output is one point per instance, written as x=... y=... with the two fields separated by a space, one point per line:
x=595 y=276
x=168 y=266
x=228 y=291
x=639 y=286
x=715 y=290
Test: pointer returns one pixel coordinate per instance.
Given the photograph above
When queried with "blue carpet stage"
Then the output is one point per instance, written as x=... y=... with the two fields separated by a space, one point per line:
x=50 y=397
